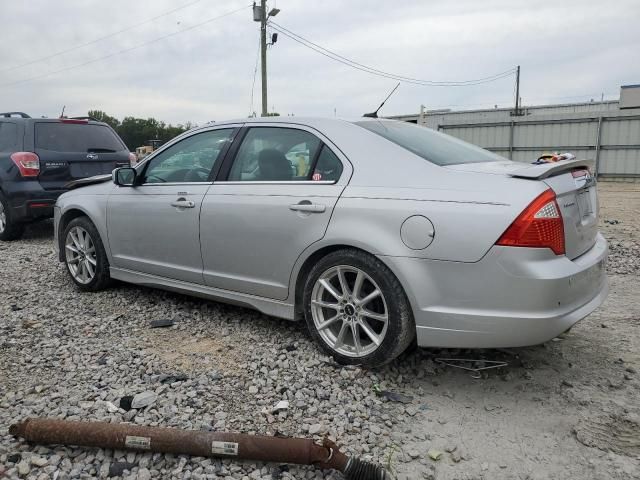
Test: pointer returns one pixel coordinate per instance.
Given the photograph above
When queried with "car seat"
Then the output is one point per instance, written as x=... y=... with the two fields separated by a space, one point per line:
x=273 y=165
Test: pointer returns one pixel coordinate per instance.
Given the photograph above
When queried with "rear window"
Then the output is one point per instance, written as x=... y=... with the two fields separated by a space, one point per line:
x=8 y=136
x=433 y=146
x=70 y=137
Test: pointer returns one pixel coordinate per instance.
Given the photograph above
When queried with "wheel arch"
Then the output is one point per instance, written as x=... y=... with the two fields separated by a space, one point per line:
x=65 y=219
x=320 y=252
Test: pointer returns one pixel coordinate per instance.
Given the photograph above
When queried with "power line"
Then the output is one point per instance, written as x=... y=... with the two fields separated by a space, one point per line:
x=359 y=66
x=99 y=39
x=125 y=50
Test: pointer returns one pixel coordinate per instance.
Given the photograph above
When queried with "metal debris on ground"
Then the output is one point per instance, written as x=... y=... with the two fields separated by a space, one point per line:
x=475 y=366
x=163 y=323
x=392 y=396
x=281 y=405
x=124 y=436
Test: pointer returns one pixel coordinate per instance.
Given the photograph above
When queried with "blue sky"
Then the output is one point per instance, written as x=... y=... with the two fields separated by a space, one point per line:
x=569 y=51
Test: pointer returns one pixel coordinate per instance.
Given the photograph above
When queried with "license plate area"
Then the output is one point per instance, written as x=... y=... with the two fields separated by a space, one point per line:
x=585 y=206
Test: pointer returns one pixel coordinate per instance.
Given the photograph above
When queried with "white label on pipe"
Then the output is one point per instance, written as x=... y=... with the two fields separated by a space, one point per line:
x=224 y=448
x=142 y=443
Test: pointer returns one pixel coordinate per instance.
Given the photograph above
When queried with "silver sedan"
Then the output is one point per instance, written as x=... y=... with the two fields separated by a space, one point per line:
x=376 y=233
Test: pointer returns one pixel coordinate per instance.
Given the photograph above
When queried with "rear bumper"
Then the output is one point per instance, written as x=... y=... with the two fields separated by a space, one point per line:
x=29 y=201
x=512 y=297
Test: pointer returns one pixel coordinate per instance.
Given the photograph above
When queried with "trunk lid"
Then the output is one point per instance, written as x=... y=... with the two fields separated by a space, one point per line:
x=575 y=190
x=71 y=151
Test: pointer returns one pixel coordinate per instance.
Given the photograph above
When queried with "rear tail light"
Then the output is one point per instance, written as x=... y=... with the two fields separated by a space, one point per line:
x=132 y=159
x=538 y=226
x=27 y=162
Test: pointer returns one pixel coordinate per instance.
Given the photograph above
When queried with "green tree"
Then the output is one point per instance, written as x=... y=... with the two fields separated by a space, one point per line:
x=136 y=132
x=103 y=117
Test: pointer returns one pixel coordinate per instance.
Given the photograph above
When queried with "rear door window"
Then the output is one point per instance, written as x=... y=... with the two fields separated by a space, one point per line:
x=328 y=166
x=69 y=137
x=274 y=154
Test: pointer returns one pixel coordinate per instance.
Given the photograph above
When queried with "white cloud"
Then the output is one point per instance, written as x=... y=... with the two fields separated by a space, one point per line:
x=566 y=48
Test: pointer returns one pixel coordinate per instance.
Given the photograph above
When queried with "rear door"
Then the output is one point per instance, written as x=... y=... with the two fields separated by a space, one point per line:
x=74 y=149
x=274 y=200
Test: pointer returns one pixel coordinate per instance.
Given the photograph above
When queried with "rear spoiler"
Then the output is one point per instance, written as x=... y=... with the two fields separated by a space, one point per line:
x=545 y=170
x=83 y=182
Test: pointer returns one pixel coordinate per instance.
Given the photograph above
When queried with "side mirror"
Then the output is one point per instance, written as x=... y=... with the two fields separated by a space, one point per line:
x=124 y=177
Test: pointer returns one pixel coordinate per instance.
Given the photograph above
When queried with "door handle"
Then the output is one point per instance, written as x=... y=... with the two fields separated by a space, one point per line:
x=183 y=203
x=308 y=207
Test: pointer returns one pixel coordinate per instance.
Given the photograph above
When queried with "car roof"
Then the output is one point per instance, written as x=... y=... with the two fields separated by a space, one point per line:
x=319 y=123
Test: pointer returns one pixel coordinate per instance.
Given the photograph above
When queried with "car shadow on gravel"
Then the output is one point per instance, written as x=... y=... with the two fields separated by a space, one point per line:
x=39 y=230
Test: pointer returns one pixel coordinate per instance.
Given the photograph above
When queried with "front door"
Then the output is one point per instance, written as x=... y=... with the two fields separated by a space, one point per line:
x=154 y=226
x=275 y=201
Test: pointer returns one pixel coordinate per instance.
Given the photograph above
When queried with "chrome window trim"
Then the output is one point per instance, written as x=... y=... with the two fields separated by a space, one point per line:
x=172 y=184
x=275 y=182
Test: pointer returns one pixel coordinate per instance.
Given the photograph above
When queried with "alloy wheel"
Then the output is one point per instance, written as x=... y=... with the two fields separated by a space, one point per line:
x=349 y=311
x=81 y=255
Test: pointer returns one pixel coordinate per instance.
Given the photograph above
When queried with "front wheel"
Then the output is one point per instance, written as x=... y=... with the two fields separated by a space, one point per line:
x=84 y=255
x=357 y=310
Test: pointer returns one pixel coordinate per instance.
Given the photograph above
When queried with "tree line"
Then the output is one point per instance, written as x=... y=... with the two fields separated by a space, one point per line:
x=136 y=132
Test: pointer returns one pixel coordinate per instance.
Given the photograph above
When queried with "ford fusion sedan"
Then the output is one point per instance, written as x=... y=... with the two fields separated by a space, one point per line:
x=376 y=233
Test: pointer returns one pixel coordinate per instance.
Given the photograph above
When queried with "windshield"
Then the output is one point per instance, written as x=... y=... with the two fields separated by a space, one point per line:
x=433 y=146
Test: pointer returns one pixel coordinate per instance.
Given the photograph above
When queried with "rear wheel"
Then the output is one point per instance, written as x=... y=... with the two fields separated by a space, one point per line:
x=84 y=255
x=9 y=229
x=357 y=310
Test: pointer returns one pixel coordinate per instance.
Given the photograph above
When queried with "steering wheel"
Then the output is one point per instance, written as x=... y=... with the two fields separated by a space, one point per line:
x=157 y=179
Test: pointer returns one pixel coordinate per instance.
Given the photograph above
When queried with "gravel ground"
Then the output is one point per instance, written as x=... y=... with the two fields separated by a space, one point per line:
x=566 y=409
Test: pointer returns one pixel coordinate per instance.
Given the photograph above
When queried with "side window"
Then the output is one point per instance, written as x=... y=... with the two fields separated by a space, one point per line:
x=190 y=160
x=328 y=166
x=274 y=154
x=8 y=136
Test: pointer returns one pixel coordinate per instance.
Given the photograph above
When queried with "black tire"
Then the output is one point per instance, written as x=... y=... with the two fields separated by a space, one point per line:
x=101 y=278
x=401 y=329
x=12 y=230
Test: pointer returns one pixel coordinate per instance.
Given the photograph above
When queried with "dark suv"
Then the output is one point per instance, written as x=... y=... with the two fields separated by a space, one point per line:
x=39 y=156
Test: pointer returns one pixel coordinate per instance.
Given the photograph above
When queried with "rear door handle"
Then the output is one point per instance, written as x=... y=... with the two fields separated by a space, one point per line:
x=308 y=207
x=183 y=203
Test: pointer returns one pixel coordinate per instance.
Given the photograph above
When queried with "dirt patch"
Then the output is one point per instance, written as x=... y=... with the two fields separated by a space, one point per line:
x=187 y=354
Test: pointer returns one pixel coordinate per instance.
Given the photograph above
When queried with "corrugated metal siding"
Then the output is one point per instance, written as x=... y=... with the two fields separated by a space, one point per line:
x=525 y=138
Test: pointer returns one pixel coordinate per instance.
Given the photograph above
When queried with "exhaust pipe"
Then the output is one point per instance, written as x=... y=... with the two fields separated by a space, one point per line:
x=125 y=436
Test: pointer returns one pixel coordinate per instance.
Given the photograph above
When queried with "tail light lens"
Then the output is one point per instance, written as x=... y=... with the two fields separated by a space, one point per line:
x=538 y=226
x=132 y=159
x=27 y=162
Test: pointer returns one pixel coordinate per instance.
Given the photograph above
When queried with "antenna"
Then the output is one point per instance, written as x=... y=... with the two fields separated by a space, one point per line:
x=62 y=113
x=375 y=114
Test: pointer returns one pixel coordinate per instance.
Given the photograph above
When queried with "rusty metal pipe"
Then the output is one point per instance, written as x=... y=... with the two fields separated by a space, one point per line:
x=124 y=436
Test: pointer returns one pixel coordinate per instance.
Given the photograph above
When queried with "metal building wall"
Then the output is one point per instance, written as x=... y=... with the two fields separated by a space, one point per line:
x=597 y=131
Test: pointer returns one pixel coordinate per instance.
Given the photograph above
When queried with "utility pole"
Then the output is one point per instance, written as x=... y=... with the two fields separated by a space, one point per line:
x=263 y=53
x=260 y=15
x=517 y=112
